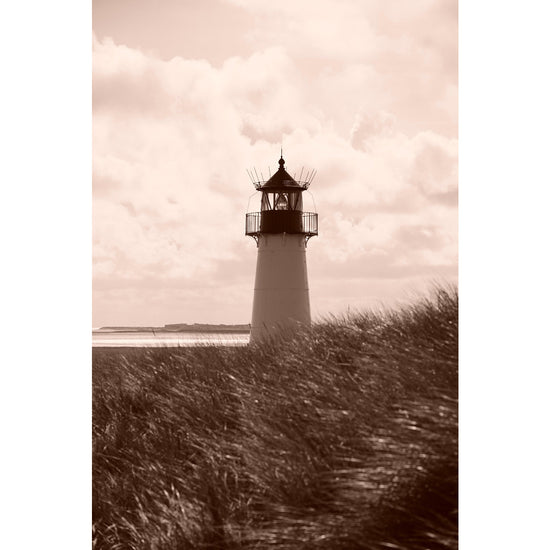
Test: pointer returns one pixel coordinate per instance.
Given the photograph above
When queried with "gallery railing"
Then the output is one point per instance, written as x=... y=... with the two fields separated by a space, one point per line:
x=282 y=221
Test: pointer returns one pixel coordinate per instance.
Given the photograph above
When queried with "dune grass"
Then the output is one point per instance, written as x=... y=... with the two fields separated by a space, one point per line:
x=341 y=436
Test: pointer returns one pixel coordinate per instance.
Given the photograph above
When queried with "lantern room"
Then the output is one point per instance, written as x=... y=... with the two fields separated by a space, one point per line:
x=281 y=207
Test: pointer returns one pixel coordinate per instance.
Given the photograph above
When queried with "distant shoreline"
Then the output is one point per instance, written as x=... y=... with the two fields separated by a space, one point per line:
x=171 y=329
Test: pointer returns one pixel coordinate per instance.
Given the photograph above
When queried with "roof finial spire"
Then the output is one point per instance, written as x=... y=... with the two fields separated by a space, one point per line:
x=281 y=160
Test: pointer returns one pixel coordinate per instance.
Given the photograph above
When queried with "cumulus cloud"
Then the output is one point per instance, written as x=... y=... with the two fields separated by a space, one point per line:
x=370 y=103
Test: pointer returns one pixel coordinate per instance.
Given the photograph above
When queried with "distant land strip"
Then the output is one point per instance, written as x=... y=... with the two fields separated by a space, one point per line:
x=181 y=327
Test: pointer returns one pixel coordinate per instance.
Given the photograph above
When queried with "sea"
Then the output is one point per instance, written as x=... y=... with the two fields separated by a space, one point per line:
x=146 y=339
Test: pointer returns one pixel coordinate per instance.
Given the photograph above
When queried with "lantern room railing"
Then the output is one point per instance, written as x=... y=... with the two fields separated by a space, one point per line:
x=308 y=224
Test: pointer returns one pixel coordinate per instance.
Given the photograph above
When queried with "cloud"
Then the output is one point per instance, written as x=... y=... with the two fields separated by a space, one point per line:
x=173 y=138
x=369 y=126
x=435 y=167
x=404 y=58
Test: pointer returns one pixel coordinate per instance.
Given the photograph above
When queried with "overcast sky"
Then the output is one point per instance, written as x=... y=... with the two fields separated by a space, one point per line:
x=188 y=95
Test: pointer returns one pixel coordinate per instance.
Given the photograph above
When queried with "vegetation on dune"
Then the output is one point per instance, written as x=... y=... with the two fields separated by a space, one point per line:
x=341 y=436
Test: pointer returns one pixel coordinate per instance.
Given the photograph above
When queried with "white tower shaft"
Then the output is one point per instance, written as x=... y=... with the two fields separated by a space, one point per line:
x=281 y=293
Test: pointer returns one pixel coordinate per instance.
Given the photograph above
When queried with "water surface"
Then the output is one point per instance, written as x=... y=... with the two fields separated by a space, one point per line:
x=110 y=339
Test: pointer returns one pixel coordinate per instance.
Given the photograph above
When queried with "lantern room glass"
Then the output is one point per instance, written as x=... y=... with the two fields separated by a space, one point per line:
x=283 y=200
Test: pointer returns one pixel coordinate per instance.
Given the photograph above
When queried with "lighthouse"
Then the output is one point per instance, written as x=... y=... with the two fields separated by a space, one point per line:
x=281 y=231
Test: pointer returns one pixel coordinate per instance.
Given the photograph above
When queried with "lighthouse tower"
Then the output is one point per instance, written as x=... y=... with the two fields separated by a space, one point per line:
x=281 y=231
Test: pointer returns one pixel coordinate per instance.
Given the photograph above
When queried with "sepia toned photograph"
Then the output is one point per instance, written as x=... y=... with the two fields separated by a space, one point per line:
x=274 y=274
x=232 y=254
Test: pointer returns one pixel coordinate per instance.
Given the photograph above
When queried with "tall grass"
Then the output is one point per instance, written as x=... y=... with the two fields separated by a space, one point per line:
x=341 y=436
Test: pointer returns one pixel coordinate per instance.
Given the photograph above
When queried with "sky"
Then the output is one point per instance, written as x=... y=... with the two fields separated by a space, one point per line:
x=188 y=95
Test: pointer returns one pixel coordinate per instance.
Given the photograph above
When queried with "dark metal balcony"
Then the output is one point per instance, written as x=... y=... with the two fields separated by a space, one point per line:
x=282 y=221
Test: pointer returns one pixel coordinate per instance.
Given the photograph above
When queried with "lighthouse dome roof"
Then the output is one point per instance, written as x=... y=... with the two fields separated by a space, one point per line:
x=281 y=179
